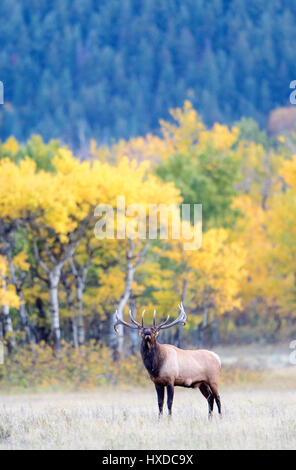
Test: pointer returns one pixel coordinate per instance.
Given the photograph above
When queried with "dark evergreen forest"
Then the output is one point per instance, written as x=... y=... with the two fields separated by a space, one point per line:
x=76 y=69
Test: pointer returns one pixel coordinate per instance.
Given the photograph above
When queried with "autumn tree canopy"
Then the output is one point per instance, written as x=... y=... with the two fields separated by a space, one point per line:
x=59 y=281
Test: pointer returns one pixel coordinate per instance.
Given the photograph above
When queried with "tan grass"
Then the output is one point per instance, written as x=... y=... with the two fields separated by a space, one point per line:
x=254 y=418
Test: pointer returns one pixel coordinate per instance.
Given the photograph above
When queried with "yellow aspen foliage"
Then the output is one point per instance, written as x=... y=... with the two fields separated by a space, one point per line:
x=11 y=145
x=210 y=276
x=20 y=261
x=100 y=152
x=8 y=294
x=185 y=132
x=269 y=240
x=220 y=269
x=18 y=186
x=259 y=169
x=252 y=234
x=110 y=288
x=288 y=172
x=151 y=148
x=220 y=137
x=62 y=199
x=280 y=249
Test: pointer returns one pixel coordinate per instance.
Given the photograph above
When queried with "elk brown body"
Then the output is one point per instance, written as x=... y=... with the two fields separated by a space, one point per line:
x=169 y=366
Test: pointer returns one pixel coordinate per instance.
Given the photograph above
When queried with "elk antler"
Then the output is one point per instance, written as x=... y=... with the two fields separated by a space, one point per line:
x=182 y=317
x=134 y=321
x=135 y=325
x=161 y=326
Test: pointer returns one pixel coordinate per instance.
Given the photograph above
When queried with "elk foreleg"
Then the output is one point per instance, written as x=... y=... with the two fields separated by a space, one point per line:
x=160 y=397
x=170 y=398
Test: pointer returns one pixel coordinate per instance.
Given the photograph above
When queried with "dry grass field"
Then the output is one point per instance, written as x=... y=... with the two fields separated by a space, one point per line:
x=259 y=412
x=255 y=417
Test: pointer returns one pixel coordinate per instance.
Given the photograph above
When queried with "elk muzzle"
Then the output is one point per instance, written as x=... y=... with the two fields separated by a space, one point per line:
x=147 y=334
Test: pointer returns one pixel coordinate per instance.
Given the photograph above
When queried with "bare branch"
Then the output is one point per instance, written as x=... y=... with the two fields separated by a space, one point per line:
x=38 y=258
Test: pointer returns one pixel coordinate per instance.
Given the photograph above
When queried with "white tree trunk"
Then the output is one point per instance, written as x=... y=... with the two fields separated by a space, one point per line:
x=24 y=317
x=54 y=278
x=22 y=309
x=130 y=272
x=8 y=328
x=80 y=319
x=7 y=323
x=75 y=332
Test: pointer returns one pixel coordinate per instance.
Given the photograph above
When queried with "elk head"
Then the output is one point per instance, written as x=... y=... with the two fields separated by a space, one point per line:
x=149 y=334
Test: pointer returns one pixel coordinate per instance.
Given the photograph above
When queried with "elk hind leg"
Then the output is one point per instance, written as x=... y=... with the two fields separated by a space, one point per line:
x=207 y=393
x=215 y=392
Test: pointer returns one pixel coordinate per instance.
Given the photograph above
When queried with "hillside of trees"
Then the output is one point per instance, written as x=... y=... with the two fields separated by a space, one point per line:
x=110 y=69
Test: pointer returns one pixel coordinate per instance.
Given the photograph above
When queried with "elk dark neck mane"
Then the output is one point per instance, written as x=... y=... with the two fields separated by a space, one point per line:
x=152 y=357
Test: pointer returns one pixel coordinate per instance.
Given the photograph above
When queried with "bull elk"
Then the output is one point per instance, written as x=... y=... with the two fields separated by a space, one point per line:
x=169 y=366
